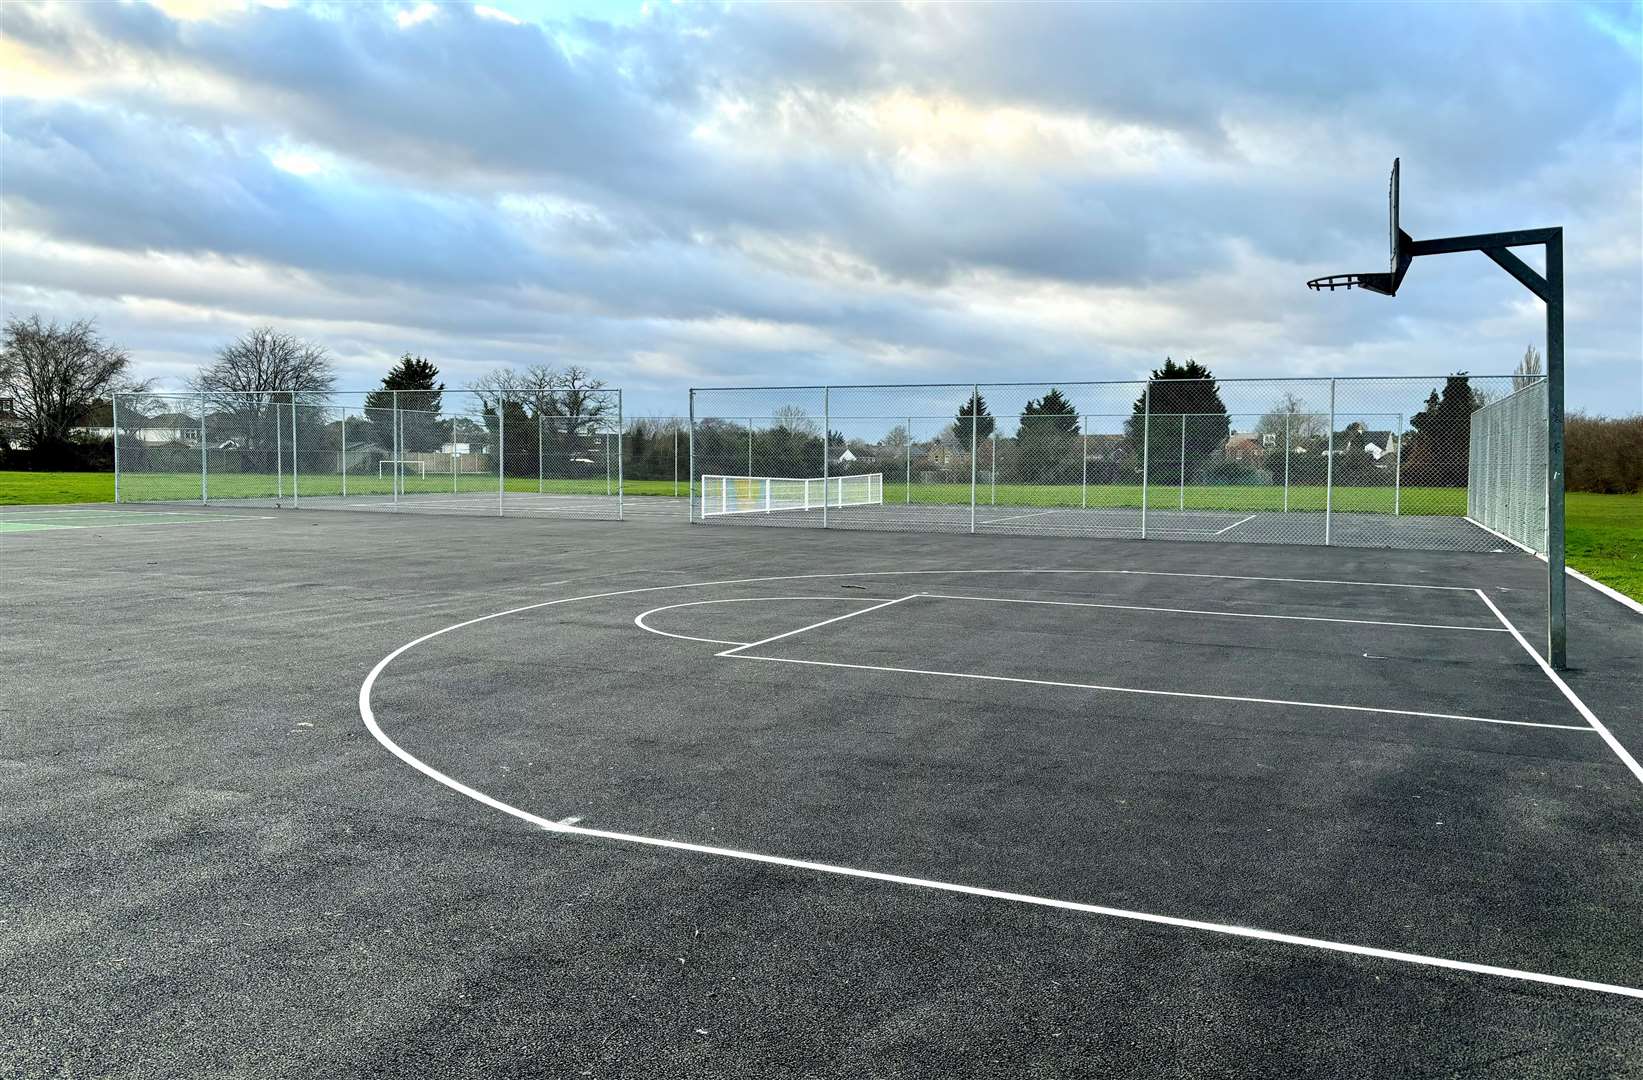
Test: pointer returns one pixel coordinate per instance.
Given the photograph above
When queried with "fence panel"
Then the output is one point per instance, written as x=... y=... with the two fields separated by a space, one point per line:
x=1380 y=462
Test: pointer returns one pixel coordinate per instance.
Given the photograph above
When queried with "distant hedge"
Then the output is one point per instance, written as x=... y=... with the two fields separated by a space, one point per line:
x=1603 y=455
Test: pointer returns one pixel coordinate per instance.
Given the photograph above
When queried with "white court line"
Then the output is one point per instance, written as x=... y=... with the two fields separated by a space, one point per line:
x=1033 y=513
x=816 y=626
x=1227 y=614
x=103 y=510
x=739 y=655
x=368 y=716
x=1612 y=593
x=639 y=619
x=1235 y=524
x=1574 y=699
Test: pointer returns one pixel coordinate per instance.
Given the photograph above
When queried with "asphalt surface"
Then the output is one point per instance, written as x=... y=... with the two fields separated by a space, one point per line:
x=213 y=867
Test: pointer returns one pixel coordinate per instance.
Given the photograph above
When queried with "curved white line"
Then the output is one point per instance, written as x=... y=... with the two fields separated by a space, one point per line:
x=369 y=717
x=639 y=619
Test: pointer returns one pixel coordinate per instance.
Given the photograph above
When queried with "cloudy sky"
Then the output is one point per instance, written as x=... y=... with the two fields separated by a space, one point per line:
x=713 y=195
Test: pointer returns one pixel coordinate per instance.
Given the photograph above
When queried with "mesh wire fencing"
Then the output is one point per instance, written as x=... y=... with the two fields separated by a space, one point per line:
x=1367 y=462
x=467 y=452
x=1506 y=465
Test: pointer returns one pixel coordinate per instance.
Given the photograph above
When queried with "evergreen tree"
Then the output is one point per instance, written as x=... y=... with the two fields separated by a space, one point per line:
x=1047 y=442
x=975 y=405
x=1178 y=396
x=419 y=399
x=1437 y=447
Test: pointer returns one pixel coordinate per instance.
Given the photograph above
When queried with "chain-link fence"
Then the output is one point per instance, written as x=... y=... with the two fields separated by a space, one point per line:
x=1367 y=462
x=453 y=451
x=1506 y=466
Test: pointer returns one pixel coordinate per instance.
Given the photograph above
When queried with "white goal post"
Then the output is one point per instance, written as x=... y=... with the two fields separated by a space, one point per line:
x=767 y=494
x=404 y=466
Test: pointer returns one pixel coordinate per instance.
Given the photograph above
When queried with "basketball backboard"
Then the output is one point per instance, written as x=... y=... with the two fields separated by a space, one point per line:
x=1398 y=264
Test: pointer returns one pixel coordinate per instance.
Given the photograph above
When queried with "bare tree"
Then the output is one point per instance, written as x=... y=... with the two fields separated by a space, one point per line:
x=251 y=378
x=544 y=392
x=796 y=419
x=1289 y=414
x=55 y=374
x=1527 y=372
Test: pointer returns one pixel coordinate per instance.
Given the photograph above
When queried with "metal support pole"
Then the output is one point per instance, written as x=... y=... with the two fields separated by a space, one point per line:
x=1146 y=442
x=1181 y=484
x=1329 y=466
x=1557 y=627
x=975 y=423
x=279 y=455
x=908 y=494
x=205 y=465
x=114 y=419
x=1286 y=460
x=1397 y=469
x=344 y=456
x=827 y=437
x=399 y=437
x=690 y=479
x=502 y=450
x=992 y=465
x=675 y=458
x=607 y=463
x=1084 y=474
x=750 y=446
x=293 y=446
x=621 y=424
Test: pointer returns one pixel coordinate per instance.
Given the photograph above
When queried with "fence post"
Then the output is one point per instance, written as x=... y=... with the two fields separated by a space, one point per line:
x=992 y=465
x=539 y=433
x=908 y=499
x=1286 y=461
x=975 y=421
x=1329 y=466
x=621 y=430
x=114 y=419
x=1181 y=485
x=827 y=437
x=293 y=446
x=690 y=478
x=344 y=461
x=1397 y=469
x=279 y=455
x=750 y=446
x=1146 y=446
x=1084 y=462
x=205 y=466
x=502 y=449
x=676 y=458
x=393 y=475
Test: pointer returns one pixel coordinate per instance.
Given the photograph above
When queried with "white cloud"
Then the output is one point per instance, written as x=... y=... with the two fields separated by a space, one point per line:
x=409 y=17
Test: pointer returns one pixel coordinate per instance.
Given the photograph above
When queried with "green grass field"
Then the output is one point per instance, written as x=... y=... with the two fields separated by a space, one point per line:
x=1605 y=532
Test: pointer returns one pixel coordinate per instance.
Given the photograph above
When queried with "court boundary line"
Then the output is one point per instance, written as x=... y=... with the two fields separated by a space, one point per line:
x=207 y=520
x=1227 y=614
x=368 y=717
x=1597 y=725
x=1235 y=524
x=1607 y=590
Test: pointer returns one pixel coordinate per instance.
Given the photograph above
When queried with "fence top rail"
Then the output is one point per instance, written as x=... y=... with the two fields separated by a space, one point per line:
x=369 y=390
x=1136 y=381
x=1537 y=384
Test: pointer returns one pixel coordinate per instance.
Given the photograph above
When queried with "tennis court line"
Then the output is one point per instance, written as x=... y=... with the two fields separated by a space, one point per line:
x=215 y=519
x=1597 y=725
x=819 y=625
x=1235 y=524
x=738 y=654
x=1031 y=513
x=1227 y=614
